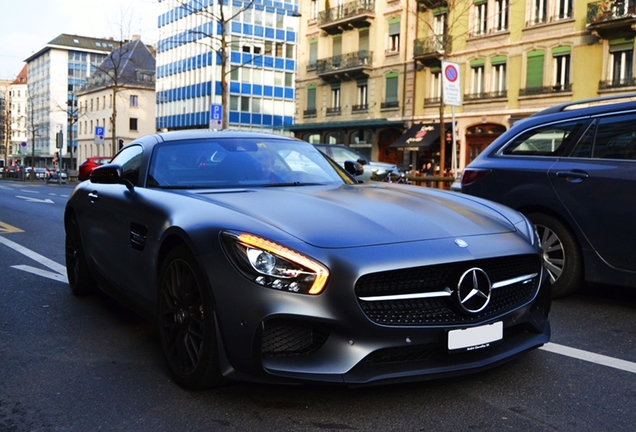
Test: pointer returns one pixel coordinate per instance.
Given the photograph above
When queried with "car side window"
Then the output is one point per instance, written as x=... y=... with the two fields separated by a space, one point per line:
x=130 y=160
x=616 y=137
x=549 y=140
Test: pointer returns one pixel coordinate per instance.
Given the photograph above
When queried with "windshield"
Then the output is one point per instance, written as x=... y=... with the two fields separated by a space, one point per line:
x=244 y=162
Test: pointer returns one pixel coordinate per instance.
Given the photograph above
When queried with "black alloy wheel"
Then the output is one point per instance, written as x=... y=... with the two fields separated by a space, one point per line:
x=561 y=254
x=79 y=278
x=188 y=332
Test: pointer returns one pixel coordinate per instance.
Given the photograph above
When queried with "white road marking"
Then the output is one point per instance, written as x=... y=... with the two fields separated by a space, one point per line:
x=44 y=273
x=58 y=269
x=590 y=357
x=31 y=199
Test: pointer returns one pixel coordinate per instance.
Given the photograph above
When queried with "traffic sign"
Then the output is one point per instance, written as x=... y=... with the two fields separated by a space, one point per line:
x=216 y=113
x=451 y=84
x=99 y=134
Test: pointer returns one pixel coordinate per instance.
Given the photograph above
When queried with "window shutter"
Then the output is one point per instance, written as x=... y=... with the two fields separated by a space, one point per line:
x=534 y=77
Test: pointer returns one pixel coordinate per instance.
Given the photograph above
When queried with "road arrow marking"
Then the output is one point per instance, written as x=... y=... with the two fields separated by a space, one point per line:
x=31 y=199
x=8 y=229
x=58 y=273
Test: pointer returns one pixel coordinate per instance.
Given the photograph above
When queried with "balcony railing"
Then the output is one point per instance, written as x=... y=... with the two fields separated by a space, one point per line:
x=604 y=11
x=351 y=61
x=557 y=88
x=333 y=111
x=390 y=105
x=311 y=112
x=351 y=14
x=617 y=83
x=431 y=45
x=360 y=108
x=485 y=95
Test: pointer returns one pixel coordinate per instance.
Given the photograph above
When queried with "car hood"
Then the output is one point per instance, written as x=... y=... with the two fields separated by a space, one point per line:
x=362 y=215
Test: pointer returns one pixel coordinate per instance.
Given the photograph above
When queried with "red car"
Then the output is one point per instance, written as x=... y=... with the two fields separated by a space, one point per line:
x=90 y=164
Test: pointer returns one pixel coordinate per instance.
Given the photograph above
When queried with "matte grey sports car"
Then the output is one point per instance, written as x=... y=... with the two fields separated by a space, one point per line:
x=261 y=259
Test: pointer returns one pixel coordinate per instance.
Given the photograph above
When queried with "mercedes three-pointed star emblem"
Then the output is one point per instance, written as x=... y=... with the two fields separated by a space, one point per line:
x=473 y=290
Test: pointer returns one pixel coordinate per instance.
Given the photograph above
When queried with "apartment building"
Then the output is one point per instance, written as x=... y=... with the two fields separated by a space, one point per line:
x=259 y=40
x=370 y=72
x=118 y=101
x=18 y=133
x=55 y=73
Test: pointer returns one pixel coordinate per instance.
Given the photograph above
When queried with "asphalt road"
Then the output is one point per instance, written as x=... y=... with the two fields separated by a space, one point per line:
x=85 y=364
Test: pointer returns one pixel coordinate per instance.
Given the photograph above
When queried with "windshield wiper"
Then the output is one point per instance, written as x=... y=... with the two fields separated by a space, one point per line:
x=291 y=184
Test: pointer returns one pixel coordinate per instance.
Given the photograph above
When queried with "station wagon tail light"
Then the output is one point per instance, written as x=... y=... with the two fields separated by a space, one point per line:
x=275 y=266
x=470 y=176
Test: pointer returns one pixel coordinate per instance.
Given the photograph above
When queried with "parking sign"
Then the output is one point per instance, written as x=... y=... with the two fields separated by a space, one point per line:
x=451 y=84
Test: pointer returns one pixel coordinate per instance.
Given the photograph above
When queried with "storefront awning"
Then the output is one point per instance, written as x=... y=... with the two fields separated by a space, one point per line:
x=419 y=135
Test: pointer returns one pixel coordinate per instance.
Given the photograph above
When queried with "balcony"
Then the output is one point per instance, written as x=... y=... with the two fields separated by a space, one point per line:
x=535 y=91
x=485 y=96
x=431 y=48
x=617 y=83
x=309 y=113
x=359 y=108
x=346 y=66
x=333 y=111
x=355 y=14
x=605 y=18
x=390 y=105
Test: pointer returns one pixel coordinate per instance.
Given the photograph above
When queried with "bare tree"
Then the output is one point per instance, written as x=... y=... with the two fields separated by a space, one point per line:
x=451 y=20
x=34 y=128
x=218 y=43
x=5 y=119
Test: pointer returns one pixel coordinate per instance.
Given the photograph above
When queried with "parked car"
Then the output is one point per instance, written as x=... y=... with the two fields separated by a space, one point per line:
x=259 y=258
x=341 y=153
x=40 y=173
x=90 y=164
x=571 y=170
x=56 y=176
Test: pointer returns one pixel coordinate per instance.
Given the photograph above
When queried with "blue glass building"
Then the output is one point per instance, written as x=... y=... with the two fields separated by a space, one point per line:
x=261 y=39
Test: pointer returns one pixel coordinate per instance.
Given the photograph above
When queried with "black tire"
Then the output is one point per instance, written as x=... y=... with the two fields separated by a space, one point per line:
x=561 y=254
x=187 y=326
x=79 y=278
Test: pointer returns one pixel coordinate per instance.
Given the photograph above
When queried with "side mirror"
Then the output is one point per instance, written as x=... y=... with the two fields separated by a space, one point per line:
x=353 y=168
x=110 y=174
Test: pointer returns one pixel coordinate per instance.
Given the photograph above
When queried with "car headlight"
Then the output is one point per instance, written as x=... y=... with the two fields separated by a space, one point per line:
x=275 y=266
x=526 y=228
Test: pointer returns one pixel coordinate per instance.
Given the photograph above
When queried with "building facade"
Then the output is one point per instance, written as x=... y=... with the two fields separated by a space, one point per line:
x=18 y=94
x=55 y=73
x=259 y=40
x=118 y=100
x=364 y=63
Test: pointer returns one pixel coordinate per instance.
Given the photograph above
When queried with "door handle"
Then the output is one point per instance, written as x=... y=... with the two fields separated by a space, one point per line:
x=93 y=195
x=573 y=176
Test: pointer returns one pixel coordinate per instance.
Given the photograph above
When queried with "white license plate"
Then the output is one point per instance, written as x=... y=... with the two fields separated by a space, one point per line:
x=475 y=338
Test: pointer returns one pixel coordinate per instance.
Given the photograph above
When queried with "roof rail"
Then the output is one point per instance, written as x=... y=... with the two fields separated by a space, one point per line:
x=588 y=102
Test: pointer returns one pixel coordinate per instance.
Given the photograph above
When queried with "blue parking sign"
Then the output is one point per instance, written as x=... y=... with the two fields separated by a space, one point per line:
x=216 y=113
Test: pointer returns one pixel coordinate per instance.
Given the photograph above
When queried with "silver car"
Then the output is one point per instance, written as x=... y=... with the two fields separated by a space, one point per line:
x=341 y=153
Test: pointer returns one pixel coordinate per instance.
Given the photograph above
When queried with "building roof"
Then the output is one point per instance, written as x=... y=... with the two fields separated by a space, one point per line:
x=22 y=76
x=129 y=64
x=68 y=42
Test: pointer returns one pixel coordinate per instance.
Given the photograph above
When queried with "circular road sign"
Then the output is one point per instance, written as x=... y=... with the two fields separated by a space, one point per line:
x=451 y=73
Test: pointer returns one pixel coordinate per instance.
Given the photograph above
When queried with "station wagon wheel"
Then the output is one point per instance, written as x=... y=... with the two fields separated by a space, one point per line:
x=188 y=334
x=561 y=254
x=79 y=278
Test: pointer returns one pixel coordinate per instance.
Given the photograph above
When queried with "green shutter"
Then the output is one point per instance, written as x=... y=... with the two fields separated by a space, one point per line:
x=534 y=77
x=562 y=50
x=394 y=26
x=311 y=97
x=391 y=88
x=621 y=44
x=497 y=60
x=477 y=63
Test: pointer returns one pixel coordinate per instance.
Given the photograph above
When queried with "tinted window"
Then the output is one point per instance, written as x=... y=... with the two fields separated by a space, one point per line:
x=616 y=137
x=130 y=160
x=549 y=140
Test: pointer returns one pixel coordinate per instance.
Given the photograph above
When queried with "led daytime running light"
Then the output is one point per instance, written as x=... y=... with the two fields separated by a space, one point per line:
x=321 y=272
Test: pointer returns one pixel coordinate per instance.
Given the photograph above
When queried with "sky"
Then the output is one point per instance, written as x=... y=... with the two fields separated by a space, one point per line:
x=28 y=25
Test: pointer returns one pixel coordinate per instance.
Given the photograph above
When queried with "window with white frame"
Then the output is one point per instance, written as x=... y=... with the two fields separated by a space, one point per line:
x=501 y=15
x=394 y=35
x=362 y=96
x=439 y=30
x=564 y=9
x=480 y=14
x=435 y=88
x=498 y=84
x=561 y=68
x=621 y=66
x=313 y=10
x=335 y=96
x=477 y=77
x=538 y=11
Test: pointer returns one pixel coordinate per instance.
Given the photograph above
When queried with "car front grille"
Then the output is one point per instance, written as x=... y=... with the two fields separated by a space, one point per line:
x=282 y=338
x=438 y=278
